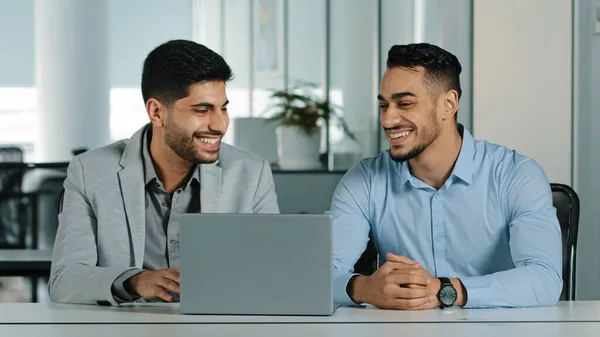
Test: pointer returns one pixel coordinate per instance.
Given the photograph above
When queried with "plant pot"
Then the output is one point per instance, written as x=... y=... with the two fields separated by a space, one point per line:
x=297 y=150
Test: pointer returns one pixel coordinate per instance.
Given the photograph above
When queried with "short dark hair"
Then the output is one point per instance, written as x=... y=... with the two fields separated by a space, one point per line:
x=442 y=68
x=173 y=66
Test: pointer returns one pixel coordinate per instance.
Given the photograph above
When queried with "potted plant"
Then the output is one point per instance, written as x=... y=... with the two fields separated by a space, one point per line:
x=301 y=117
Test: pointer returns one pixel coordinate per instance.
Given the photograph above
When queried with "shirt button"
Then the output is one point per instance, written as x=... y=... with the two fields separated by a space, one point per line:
x=439 y=237
x=172 y=241
x=164 y=204
x=179 y=190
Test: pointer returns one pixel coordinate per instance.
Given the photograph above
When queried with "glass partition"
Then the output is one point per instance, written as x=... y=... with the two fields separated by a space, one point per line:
x=313 y=52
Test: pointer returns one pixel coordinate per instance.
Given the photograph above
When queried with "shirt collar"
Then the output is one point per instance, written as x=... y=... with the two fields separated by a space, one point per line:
x=463 y=168
x=149 y=172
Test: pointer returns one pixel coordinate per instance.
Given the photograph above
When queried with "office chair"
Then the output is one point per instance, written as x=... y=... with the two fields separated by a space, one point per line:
x=368 y=262
x=566 y=202
x=12 y=208
x=11 y=154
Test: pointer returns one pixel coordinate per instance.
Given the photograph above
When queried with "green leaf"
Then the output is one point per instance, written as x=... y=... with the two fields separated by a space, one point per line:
x=293 y=108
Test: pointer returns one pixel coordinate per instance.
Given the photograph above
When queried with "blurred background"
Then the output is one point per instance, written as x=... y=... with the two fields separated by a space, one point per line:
x=70 y=81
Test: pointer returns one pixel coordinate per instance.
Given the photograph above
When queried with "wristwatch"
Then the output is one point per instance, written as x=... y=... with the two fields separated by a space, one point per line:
x=447 y=293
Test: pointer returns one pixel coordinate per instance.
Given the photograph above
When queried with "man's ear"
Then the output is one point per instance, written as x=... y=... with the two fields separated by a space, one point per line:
x=450 y=102
x=156 y=112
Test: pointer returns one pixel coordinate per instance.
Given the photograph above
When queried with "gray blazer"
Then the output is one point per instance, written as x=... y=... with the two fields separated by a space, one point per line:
x=101 y=231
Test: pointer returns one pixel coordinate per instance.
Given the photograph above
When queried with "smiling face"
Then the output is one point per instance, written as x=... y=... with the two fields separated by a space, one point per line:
x=194 y=125
x=410 y=115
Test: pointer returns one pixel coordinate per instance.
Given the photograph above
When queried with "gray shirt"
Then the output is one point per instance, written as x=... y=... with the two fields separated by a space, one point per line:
x=162 y=221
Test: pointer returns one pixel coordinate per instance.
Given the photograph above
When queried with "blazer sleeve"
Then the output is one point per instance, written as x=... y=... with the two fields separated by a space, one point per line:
x=74 y=276
x=265 y=198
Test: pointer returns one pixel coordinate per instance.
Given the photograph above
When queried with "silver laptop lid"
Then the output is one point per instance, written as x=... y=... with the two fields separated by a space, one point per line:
x=263 y=264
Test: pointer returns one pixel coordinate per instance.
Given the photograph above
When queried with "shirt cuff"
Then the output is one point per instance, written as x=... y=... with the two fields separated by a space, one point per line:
x=118 y=287
x=478 y=291
x=340 y=295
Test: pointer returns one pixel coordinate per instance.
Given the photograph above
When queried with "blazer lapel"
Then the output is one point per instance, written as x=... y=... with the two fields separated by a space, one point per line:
x=131 y=179
x=210 y=188
x=132 y=190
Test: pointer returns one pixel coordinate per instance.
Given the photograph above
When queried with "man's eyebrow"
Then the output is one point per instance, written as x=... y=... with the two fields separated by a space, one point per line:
x=207 y=105
x=203 y=104
x=399 y=95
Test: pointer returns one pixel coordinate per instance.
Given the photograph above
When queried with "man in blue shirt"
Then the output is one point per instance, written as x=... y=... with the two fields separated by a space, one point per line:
x=457 y=221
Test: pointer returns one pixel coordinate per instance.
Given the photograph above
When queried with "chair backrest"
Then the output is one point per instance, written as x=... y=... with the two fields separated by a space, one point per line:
x=11 y=154
x=43 y=187
x=10 y=178
x=12 y=213
x=566 y=202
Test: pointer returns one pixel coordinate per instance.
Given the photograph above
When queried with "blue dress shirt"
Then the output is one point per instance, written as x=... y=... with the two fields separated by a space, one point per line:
x=492 y=224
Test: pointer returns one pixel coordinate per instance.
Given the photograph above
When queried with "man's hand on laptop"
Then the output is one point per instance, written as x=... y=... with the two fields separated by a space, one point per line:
x=151 y=284
x=386 y=289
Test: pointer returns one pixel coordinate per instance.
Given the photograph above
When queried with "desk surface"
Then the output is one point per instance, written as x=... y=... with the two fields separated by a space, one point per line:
x=31 y=313
x=25 y=262
x=303 y=330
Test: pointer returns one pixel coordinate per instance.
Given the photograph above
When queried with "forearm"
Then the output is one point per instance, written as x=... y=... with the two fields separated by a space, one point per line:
x=351 y=226
x=82 y=284
x=528 y=286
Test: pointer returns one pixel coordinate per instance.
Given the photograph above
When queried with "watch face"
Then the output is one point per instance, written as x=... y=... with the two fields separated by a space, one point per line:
x=448 y=295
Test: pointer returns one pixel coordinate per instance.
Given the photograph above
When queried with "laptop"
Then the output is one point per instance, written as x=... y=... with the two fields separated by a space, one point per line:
x=256 y=264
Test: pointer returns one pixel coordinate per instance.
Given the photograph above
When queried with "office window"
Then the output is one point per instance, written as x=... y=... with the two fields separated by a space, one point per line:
x=18 y=119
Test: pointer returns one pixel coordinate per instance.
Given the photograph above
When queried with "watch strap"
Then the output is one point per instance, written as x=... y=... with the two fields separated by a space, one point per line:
x=445 y=282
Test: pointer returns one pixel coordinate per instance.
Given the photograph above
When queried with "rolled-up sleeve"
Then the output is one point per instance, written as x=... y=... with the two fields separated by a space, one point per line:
x=349 y=209
x=535 y=246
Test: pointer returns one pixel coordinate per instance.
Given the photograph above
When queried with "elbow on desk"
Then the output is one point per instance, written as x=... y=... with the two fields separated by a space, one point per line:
x=57 y=295
x=548 y=290
x=76 y=283
x=548 y=300
x=554 y=293
x=62 y=287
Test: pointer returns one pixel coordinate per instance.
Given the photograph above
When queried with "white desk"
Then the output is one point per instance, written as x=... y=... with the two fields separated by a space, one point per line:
x=169 y=314
x=310 y=330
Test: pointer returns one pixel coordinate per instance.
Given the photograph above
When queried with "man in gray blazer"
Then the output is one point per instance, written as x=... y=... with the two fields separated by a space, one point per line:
x=118 y=234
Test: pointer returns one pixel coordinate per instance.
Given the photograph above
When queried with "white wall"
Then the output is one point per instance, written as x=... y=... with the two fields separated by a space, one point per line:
x=138 y=26
x=135 y=28
x=522 y=79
